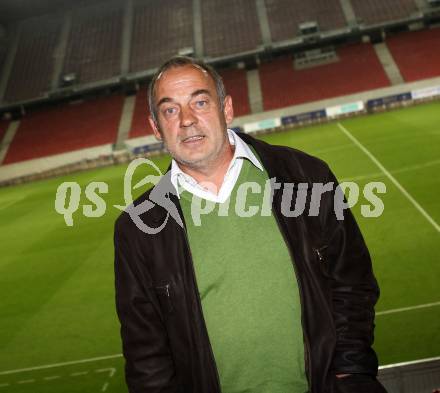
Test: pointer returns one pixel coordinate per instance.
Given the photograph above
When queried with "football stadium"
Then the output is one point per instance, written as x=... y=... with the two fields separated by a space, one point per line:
x=353 y=82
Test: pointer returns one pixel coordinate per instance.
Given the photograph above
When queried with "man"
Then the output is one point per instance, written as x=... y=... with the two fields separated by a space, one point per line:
x=220 y=299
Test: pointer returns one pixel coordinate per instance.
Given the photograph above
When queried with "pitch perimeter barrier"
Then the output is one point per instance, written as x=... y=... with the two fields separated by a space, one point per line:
x=388 y=101
x=420 y=376
x=266 y=124
x=304 y=117
x=427 y=92
x=345 y=109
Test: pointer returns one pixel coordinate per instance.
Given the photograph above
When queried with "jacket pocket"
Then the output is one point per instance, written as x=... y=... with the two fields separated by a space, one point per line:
x=164 y=294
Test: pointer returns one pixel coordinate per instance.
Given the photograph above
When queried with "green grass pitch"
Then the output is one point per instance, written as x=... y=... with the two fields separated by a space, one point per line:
x=56 y=282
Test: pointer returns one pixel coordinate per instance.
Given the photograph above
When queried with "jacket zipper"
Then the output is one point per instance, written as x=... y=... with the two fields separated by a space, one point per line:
x=166 y=289
x=199 y=304
x=306 y=339
x=318 y=252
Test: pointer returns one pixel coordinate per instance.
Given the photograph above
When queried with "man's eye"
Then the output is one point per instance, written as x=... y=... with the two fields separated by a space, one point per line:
x=201 y=103
x=170 y=111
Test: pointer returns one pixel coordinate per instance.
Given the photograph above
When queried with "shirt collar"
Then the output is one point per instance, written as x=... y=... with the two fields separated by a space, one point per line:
x=242 y=150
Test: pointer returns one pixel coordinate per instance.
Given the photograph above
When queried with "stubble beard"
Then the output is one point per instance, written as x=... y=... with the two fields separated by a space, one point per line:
x=202 y=163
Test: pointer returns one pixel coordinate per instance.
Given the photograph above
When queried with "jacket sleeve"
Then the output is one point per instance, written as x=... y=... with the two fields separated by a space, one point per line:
x=149 y=366
x=354 y=291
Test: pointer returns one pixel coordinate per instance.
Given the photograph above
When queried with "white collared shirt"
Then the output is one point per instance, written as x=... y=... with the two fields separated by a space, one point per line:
x=180 y=179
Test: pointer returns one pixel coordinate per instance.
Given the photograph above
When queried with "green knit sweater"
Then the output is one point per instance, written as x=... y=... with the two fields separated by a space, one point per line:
x=249 y=292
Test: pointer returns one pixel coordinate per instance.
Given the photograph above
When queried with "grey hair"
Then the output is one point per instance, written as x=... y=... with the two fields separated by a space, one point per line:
x=181 y=61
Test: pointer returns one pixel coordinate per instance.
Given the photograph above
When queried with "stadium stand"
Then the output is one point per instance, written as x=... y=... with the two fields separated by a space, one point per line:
x=92 y=37
x=358 y=69
x=140 y=125
x=286 y=15
x=236 y=85
x=369 y=12
x=66 y=128
x=230 y=26
x=417 y=53
x=94 y=45
x=33 y=64
x=160 y=30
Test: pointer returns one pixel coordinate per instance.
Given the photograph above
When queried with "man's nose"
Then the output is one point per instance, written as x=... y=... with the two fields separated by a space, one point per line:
x=187 y=117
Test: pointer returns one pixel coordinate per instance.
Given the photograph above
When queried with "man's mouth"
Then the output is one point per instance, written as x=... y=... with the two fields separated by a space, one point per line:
x=194 y=138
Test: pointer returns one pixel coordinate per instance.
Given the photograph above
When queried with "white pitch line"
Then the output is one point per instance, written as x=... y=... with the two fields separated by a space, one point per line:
x=52 y=377
x=427 y=305
x=79 y=373
x=391 y=177
x=21 y=370
x=111 y=371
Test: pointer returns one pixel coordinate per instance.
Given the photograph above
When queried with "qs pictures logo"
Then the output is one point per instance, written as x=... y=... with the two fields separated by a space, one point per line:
x=341 y=197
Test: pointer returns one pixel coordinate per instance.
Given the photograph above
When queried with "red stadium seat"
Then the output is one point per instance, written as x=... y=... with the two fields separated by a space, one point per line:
x=140 y=125
x=417 y=54
x=66 y=128
x=236 y=85
x=358 y=69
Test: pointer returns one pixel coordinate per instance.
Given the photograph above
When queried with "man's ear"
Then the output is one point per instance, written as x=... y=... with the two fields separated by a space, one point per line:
x=228 y=110
x=155 y=128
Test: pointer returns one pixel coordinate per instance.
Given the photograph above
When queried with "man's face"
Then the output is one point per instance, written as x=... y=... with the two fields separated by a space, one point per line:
x=190 y=121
